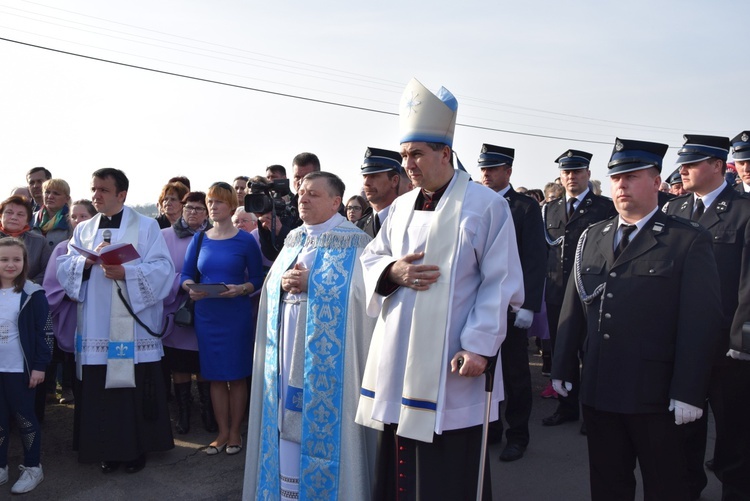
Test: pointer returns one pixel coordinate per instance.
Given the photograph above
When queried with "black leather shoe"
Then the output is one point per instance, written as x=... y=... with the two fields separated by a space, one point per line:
x=710 y=464
x=136 y=465
x=557 y=419
x=109 y=466
x=512 y=452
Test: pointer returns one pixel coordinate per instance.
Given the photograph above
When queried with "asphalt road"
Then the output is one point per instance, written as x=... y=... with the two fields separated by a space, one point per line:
x=555 y=466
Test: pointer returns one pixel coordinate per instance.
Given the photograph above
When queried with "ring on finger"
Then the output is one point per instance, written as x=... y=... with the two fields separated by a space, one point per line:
x=416 y=282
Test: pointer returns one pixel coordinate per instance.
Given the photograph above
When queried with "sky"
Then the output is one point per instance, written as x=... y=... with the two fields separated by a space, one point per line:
x=280 y=78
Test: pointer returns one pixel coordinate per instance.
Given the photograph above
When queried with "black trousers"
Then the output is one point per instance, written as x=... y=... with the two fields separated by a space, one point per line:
x=565 y=405
x=514 y=355
x=447 y=468
x=732 y=453
x=616 y=440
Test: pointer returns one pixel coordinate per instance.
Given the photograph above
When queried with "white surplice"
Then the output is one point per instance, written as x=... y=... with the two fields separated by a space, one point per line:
x=147 y=280
x=485 y=280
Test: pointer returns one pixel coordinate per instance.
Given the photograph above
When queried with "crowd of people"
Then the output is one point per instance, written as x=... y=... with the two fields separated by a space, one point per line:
x=361 y=330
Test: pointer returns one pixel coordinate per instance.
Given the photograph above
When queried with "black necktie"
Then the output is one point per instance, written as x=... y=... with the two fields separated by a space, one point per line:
x=699 y=210
x=375 y=223
x=572 y=208
x=627 y=230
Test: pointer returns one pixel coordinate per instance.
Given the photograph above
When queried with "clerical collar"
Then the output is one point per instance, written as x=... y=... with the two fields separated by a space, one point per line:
x=111 y=222
x=428 y=202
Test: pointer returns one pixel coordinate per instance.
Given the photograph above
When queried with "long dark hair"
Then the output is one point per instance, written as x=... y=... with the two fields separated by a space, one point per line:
x=20 y=280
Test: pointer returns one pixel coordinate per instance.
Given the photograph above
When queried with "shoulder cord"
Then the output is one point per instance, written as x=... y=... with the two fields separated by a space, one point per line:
x=166 y=324
x=550 y=242
x=586 y=298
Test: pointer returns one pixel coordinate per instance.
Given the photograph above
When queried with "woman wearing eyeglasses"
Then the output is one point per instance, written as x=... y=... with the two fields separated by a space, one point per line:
x=355 y=208
x=180 y=343
x=223 y=323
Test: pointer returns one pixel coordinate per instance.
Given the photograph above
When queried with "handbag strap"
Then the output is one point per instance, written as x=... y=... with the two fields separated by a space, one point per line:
x=197 y=255
x=166 y=324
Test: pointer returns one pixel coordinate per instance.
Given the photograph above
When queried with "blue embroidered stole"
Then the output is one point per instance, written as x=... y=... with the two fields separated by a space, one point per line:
x=324 y=364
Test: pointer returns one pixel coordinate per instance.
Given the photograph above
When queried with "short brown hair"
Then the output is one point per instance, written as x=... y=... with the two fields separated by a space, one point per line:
x=179 y=189
x=18 y=200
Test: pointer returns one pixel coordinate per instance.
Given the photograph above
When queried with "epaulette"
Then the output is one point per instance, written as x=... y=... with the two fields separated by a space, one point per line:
x=609 y=220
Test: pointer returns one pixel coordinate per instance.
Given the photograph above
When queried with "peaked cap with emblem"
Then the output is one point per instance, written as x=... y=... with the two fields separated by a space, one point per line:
x=428 y=117
x=629 y=155
x=378 y=160
x=574 y=160
x=495 y=156
x=699 y=148
x=741 y=146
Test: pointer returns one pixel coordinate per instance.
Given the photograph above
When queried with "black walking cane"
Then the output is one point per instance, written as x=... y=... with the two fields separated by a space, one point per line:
x=489 y=384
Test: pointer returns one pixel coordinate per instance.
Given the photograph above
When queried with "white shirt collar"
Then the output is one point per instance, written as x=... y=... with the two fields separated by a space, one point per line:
x=578 y=197
x=709 y=198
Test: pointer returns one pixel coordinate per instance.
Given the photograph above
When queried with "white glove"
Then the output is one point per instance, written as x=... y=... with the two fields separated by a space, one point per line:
x=561 y=388
x=524 y=318
x=684 y=413
x=738 y=355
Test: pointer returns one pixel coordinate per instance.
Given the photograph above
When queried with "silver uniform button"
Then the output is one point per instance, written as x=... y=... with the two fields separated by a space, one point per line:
x=613 y=274
x=606 y=336
x=610 y=295
x=607 y=315
x=651 y=270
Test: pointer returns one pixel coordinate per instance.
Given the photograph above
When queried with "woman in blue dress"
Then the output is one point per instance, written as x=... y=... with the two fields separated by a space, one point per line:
x=222 y=324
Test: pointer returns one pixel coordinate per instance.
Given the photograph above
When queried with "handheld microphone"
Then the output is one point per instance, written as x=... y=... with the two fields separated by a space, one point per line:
x=107 y=235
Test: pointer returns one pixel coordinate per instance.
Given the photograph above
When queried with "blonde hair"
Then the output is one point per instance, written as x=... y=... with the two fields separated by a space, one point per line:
x=57 y=184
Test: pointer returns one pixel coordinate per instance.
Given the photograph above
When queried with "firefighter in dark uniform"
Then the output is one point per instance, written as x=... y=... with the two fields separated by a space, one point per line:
x=381 y=171
x=643 y=306
x=496 y=165
x=564 y=220
x=726 y=215
x=741 y=156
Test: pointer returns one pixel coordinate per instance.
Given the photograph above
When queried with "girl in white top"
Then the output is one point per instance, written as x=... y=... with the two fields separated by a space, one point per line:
x=24 y=354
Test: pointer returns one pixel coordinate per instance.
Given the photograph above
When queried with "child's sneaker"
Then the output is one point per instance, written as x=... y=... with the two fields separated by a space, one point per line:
x=31 y=476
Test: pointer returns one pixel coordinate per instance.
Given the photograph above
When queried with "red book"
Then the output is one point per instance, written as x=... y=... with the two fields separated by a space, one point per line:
x=111 y=254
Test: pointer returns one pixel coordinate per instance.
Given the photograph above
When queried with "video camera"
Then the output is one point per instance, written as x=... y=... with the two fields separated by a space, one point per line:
x=265 y=198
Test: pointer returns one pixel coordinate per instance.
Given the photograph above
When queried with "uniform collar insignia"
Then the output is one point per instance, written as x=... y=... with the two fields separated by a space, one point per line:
x=684 y=205
x=722 y=206
x=589 y=201
x=607 y=228
x=658 y=227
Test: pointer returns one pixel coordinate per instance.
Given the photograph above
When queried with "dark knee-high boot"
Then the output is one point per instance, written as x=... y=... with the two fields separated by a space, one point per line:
x=182 y=395
x=207 y=409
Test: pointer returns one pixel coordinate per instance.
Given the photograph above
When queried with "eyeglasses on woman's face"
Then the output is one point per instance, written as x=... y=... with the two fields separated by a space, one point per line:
x=195 y=209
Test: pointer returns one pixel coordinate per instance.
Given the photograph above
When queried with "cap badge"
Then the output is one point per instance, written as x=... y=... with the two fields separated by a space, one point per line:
x=412 y=103
x=619 y=146
x=484 y=149
x=368 y=153
x=745 y=137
